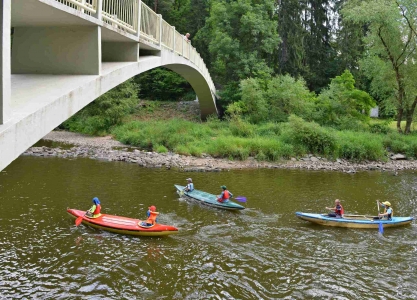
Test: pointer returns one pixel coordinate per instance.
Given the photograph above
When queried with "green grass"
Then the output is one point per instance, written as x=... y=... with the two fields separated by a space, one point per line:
x=268 y=142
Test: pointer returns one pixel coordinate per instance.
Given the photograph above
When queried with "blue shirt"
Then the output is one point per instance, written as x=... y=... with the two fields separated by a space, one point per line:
x=190 y=187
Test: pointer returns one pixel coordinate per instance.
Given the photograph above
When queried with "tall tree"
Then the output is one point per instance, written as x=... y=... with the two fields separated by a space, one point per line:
x=243 y=37
x=391 y=57
x=292 y=51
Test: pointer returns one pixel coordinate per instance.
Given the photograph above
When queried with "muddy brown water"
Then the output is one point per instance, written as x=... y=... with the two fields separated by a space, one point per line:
x=263 y=252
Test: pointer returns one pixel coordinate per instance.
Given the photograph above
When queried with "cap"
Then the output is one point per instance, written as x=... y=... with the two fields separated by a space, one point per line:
x=152 y=208
x=223 y=187
x=189 y=179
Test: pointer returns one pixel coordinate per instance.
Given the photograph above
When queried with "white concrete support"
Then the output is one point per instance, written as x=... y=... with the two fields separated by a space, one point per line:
x=173 y=39
x=5 y=84
x=57 y=50
x=139 y=18
x=119 y=51
x=99 y=10
x=160 y=29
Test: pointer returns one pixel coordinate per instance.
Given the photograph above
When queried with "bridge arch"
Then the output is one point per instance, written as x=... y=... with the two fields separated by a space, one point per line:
x=45 y=82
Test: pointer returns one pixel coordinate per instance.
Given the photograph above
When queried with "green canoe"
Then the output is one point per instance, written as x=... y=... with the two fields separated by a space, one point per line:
x=208 y=199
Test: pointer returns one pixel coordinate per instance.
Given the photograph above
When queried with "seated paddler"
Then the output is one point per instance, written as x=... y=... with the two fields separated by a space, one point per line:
x=152 y=215
x=225 y=195
x=94 y=211
x=388 y=211
x=190 y=185
x=338 y=210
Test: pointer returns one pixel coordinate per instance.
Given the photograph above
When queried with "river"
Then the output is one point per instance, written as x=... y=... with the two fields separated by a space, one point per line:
x=262 y=252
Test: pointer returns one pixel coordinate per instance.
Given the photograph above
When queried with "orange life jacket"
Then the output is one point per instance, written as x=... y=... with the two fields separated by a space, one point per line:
x=152 y=217
x=339 y=210
x=226 y=195
x=97 y=210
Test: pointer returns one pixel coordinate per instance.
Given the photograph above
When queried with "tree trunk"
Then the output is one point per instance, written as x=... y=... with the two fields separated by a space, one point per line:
x=409 y=118
x=399 y=117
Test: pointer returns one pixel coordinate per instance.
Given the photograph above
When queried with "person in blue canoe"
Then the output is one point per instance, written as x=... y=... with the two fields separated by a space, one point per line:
x=94 y=211
x=338 y=210
x=190 y=185
x=225 y=195
x=388 y=211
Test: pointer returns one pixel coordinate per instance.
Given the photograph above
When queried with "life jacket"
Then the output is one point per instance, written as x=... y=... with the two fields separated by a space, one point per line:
x=389 y=216
x=152 y=217
x=226 y=195
x=339 y=210
x=97 y=210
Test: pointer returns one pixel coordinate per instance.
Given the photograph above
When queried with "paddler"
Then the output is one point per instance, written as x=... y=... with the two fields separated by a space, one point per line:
x=388 y=211
x=152 y=214
x=338 y=211
x=190 y=185
x=225 y=195
x=94 y=211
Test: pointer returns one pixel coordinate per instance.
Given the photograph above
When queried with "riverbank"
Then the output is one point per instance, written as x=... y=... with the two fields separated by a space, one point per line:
x=73 y=145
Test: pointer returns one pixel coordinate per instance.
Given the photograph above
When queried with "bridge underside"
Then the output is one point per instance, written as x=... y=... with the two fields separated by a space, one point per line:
x=64 y=60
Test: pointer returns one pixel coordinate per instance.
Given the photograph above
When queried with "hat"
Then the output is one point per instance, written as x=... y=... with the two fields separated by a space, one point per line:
x=152 y=208
x=96 y=201
x=223 y=187
x=386 y=203
x=189 y=179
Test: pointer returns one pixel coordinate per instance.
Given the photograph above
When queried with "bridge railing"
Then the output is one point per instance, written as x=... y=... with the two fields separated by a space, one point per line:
x=135 y=17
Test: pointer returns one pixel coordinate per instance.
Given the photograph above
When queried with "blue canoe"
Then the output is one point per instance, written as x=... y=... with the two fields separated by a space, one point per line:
x=208 y=199
x=354 y=221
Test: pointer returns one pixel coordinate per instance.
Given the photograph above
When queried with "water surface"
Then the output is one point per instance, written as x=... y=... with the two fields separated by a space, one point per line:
x=263 y=252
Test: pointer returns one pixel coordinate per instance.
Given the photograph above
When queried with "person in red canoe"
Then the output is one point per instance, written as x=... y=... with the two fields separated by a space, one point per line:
x=225 y=195
x=152 y=215
x=94 y=211
x=338 y=211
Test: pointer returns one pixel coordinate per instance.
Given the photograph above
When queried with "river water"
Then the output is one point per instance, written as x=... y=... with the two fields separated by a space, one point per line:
x=262 y=252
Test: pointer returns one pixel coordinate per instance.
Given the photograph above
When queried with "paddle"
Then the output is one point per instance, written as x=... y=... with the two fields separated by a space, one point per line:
x=79 y=220
x=380 y=226
x=241 y=199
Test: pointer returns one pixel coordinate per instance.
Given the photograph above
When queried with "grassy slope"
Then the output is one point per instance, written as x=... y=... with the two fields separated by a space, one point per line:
x=171 y=126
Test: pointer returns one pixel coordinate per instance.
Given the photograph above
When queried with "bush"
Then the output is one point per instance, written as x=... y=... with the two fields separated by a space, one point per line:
x=310 y=136
x=379 y=128
x=106 y=111
x=160 y=149
x=361 y=146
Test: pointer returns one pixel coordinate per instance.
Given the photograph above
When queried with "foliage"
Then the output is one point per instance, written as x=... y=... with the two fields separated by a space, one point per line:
x=106 y=111
x=242 y=37
x=286 y=95
x=162 y=84
x=364 y=146
x=391 y=56
x=342 y=101
x=311 y=136
x=273 y=99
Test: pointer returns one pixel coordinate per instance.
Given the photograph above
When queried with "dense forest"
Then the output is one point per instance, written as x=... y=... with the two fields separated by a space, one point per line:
x=315 y=65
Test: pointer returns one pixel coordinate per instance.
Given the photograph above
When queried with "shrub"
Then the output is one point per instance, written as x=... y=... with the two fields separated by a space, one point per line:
x=361 y=146
x=310 y=135
x=160 y=149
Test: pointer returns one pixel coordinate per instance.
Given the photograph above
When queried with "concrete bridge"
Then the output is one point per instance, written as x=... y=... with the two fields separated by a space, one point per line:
x=66 y=53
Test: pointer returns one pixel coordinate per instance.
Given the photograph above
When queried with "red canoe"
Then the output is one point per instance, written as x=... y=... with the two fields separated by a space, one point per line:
x=122 y=225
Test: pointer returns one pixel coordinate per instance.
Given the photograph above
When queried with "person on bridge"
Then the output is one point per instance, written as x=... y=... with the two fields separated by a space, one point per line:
x=152 y=215
x=225 y=195
x=94 y=211
x=190 y=185
x=187 y=37
x=388 y=211
x=338 y=210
